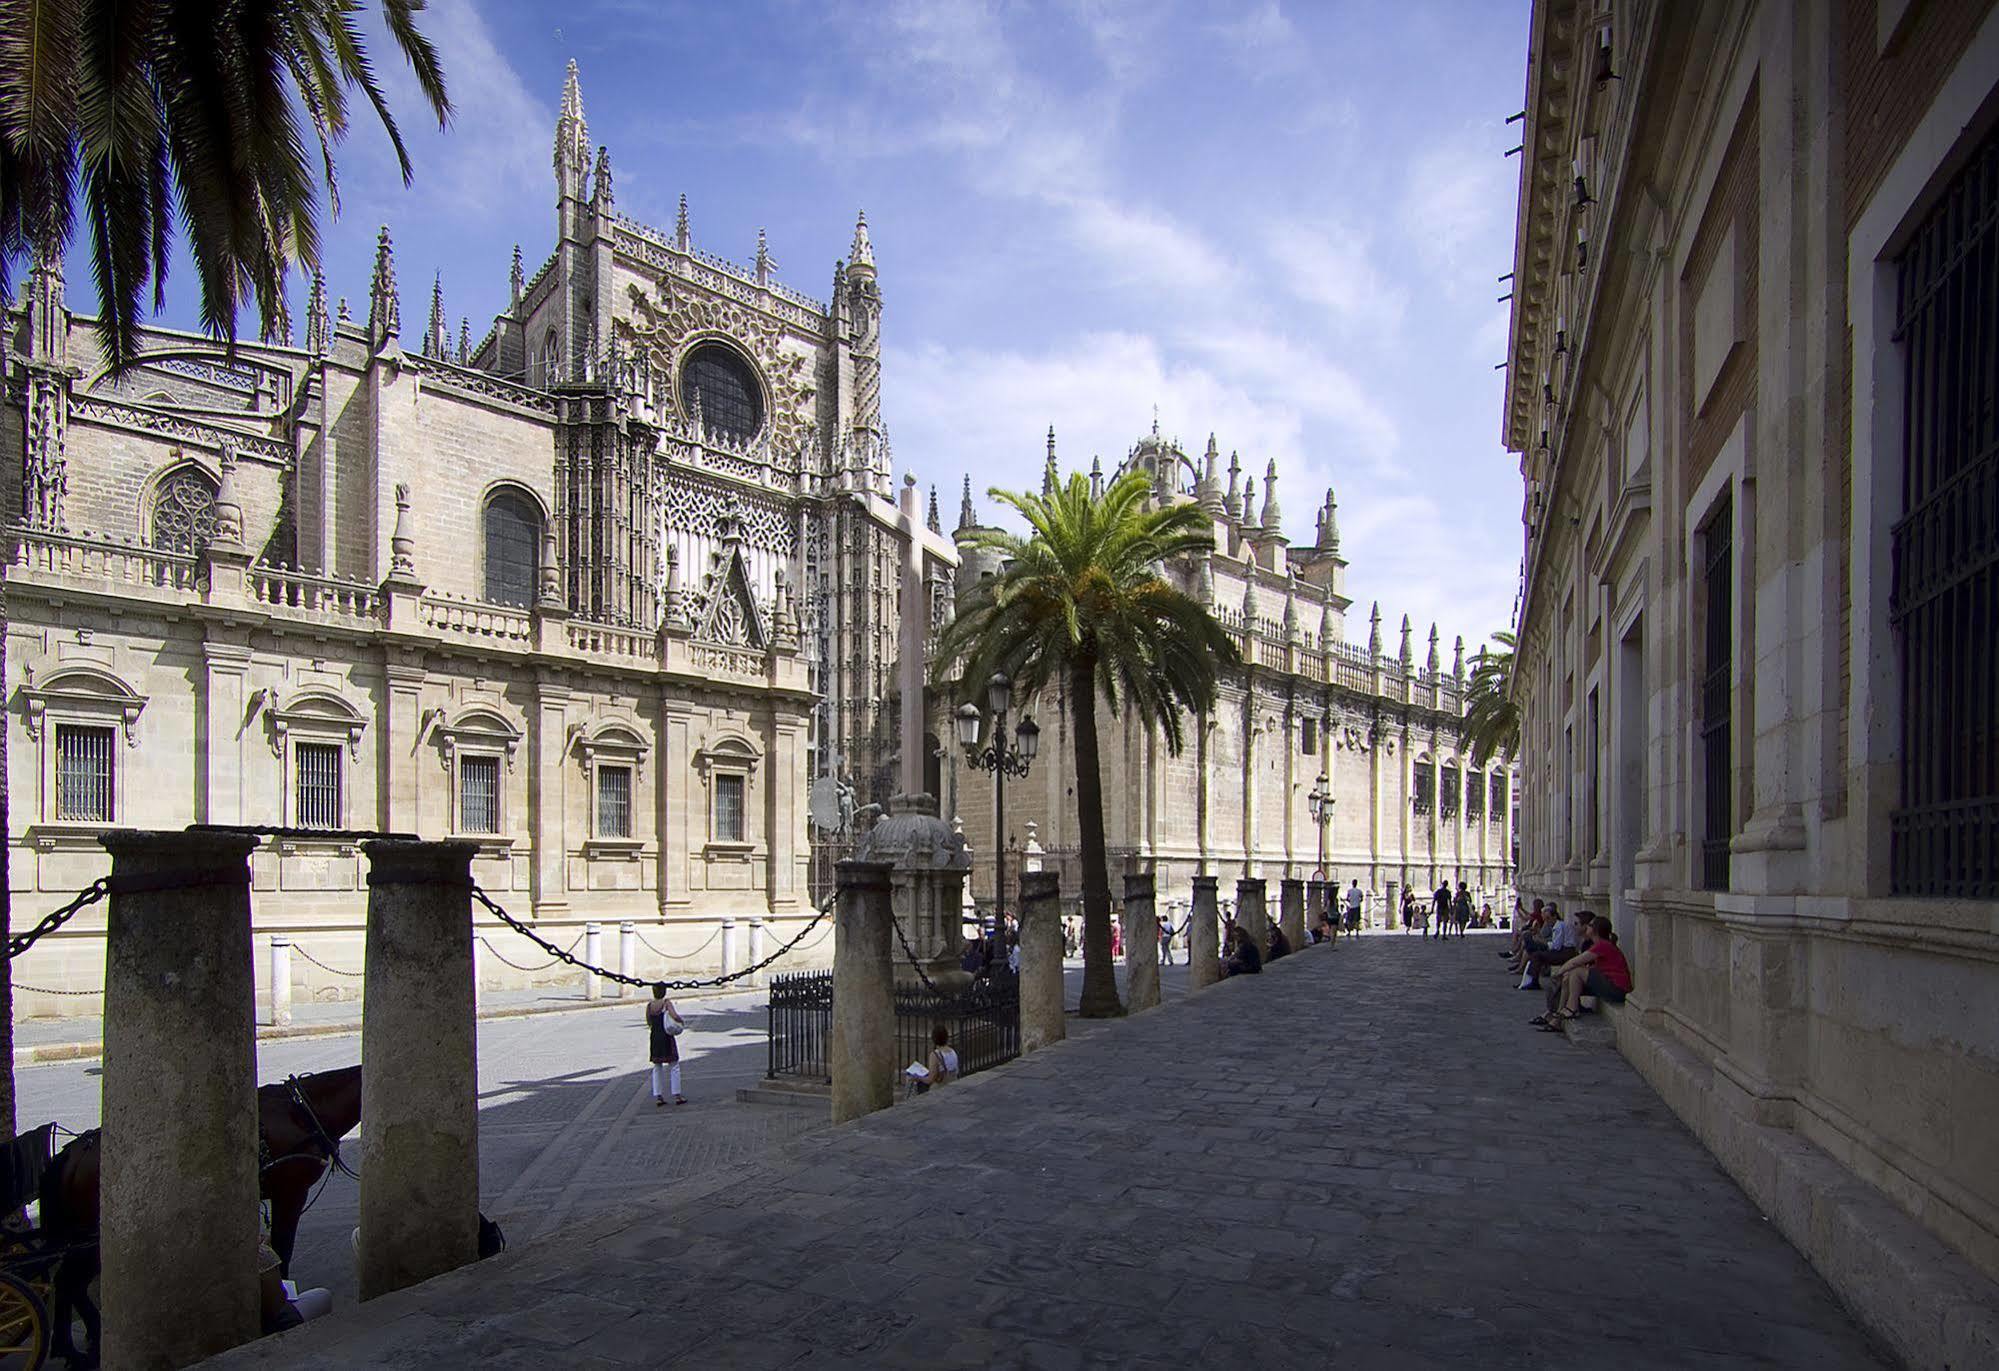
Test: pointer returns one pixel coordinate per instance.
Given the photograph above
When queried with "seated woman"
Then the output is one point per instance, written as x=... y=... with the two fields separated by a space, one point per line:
x=1244 y=959
x=281 y=1304
x=1280 y=946
x=1600 y=969
x=942 y=1063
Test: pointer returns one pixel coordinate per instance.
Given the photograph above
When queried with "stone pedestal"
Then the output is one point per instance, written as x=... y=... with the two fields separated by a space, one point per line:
x=1250 y=915
x=1319 y=901
x=1204 y=956
x=931 y=866
x=1041 y=997
x=1141 y=942
x=178 y=1188
x=863 y=1038
x=419 y=1058
x=1291 y=909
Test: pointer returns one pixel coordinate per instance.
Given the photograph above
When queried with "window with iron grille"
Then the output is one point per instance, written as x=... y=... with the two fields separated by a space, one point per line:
x=1944 y=606
x=318 y=784
x=728 y=809
x=1308 y=738
x=1498 y=807
x=731 y=400
x=1425 y=778
x=1717 y=671
x=84 y=761
x=513 y=548
x=614 y=802
x=1449 y=791
x=479 y=794
x=1474 y=795
x=1592 y=767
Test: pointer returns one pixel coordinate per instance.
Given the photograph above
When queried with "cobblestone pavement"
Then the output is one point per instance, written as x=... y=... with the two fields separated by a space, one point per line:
x=1363 y=1158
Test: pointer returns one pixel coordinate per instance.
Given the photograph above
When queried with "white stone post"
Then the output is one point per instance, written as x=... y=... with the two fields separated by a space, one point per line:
x=757 y=948
x=281 y=982
x=863 y=1033
x=628 y=955
x=593 y=953
x=1041 y=991
x=728 y=945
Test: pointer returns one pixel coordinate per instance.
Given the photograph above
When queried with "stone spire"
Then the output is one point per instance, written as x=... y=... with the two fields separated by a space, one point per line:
x=1326 y=628
x=318 y=329
x=1458 y=659
x=435 y=330
x=936 y=525
x=1273 y=517
x=861 y=256
x=1049 y=477
x=766 y=268
x=572 y=136
x=385 y=311
x=1430 y=662
x=1248 y=499
x=1374 y=630
x=1249 y=602
x=1232 y=502
x=1408 y=652
x=1096 y=478
x=967 y=516
x=601 y=195
x=680 y=236
x=1210 y=492
x=1290 y=606
x=1329 y=531
x=464 y=340
x=517 y=283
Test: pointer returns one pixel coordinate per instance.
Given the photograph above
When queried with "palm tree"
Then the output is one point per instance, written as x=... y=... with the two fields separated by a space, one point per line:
x=1492 y=718
x=138 y=111
x=1082 y=604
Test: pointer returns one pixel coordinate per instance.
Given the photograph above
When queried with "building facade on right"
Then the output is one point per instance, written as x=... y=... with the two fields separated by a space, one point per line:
x=1754 y=387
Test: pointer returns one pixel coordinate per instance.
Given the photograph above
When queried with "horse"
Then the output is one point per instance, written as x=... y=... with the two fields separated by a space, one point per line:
x=300 y=1122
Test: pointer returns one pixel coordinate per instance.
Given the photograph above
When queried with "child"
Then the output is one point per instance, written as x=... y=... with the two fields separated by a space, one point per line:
x=665 y=1047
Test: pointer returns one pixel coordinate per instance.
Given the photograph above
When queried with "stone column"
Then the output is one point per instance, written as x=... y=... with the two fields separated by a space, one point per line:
x=281 y=982
x=179 y=1180
x=1203 y=940
x=420 y=1089
x=1250 y=915
x=1041 y=997
x=1291 y=908
x=1141 y=942
x=863 y=1046
x=1318 y=901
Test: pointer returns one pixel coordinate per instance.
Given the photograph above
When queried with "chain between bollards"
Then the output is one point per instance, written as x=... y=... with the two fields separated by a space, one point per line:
x=910 y=953
x=55 y=919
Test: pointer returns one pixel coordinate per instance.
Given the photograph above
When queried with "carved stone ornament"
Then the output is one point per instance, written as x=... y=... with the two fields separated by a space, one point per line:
x=474 y=727
x=82 y=693
x=662 y=329
x=315 y=715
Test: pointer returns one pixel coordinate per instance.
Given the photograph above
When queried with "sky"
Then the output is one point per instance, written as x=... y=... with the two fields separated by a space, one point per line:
x=1281 y=223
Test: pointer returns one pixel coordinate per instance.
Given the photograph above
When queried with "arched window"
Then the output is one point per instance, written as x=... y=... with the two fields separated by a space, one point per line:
x=551 y=359
x=183 y=511
x=721 y=382
x=513 y=548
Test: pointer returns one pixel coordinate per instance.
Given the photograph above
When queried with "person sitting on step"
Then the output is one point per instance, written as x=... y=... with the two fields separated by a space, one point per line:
x=1244 y=959
x=1599 y=969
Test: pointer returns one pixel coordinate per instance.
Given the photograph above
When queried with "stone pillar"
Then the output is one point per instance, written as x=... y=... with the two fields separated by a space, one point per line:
x=1141 y=942
x=281 y=982
x=1250 y=915
x=728 y=945
x=863 y=1046
x=179 y=1181
x=1041 y=997
x=628 y=955
x=593 y=954
x=419 y=1043
x=1318 y=902
x=1291 y=909
x=1204 y=957
x=757 y=950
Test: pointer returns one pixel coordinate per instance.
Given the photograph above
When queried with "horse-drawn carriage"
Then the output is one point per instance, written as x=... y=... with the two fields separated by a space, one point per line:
x=34 y=1257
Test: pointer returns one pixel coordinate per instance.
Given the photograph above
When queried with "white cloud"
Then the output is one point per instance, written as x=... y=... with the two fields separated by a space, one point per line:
x=1329 y=264
x=1263 y=41
x=1457 y=203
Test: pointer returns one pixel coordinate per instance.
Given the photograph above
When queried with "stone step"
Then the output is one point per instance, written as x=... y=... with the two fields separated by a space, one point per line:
x=796 y=1094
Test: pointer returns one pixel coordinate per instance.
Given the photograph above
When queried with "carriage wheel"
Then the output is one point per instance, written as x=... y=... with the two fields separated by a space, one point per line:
x=24 y=1326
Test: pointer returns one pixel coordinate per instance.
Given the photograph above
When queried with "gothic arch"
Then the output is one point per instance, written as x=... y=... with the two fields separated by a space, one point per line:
x=512 y=523
x=177 y=506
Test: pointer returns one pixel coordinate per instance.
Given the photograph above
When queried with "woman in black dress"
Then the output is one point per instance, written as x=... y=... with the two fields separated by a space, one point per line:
x=665 y=1047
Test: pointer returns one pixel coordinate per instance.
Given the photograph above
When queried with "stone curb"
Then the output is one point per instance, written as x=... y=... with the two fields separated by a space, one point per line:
x=44 y=1054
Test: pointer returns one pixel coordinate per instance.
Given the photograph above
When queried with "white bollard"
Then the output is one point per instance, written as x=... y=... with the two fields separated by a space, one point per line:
x=628 y=954
x=593 y=953
x=281 y=982
x=478 y=971
x=756 y=948
x=728 y=946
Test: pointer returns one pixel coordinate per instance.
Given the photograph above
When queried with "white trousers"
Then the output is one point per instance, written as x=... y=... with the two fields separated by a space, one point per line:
x=670 y=1074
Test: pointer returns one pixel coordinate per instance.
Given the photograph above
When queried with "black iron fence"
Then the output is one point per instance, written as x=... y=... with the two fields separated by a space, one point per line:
x=983 y=1021
x=801 y=1026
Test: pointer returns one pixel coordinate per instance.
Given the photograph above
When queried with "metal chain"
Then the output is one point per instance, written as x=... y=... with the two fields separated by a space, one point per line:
x=55 y=919
x=683 y=957
x=516 y=965
x=350 y=975
x=44 y=990
x=910 y=953
x=618 y=978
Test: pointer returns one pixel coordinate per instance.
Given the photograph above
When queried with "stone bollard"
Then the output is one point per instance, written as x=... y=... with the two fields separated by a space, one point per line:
x=1041 y=995
x=478 y=972
x=1204 y=955
x=281 y=982
x=1318 y=903
x=178 y=1188
x=628 y=955
x=728 y=946
x=863 y=1039
x=420 y=1088
x=1250 y=915
x=1291 y=908
x=593 y=955
x=1141 y=942
x=756 y=949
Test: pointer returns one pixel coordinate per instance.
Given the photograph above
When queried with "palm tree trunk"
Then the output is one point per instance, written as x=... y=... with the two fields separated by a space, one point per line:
x=1100 y=999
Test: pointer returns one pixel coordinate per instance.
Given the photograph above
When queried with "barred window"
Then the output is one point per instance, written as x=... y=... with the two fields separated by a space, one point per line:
x=728 y=809
x=84 y=761
x=1944 y=607
x=1449 y=790
x=1308 y=738
x=479 y=794
x=318 y=784
x=614 y=802
x=1425 y=777
x=1497 y=809
x=1474 y=795
x=513 y=548
x=1717 y=670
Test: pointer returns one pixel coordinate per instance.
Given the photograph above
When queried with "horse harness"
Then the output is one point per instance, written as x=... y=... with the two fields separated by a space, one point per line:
x=328 y=1146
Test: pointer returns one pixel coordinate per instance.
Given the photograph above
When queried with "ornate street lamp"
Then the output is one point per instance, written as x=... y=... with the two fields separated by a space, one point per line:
x=1321 y=803
x=1000 y=759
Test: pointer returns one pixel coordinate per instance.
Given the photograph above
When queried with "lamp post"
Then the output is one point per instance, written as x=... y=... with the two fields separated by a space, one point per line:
x=1003 y=761
x=1321 y=802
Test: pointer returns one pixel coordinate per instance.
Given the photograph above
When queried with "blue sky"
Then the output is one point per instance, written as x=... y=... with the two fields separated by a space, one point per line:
x=1279 y=222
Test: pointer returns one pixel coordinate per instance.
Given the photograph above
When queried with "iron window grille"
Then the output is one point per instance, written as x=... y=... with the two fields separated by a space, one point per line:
x=318 y=785
x=84 y=773
x=614 y=802
x=1944 y=605
x=513 y=549
x=1497 y=809
x=1308 y=738
x=728 y=809
x=1474 y=795
x=1449 y=791
x=479 y=794
x=1717 y=671
x=731 y=401
x=1425 y=778
x=1593 y=767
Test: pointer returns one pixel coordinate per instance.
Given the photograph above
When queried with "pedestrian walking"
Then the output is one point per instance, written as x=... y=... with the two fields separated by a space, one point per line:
x=1356 y=897
x=1165 y=940
x=1441 y=906
x=1461 y=910
x=666 y=1025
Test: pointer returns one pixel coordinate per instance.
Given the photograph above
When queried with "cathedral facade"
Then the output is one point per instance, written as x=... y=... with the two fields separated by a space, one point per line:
x=1375 y=732
x=601 y=592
